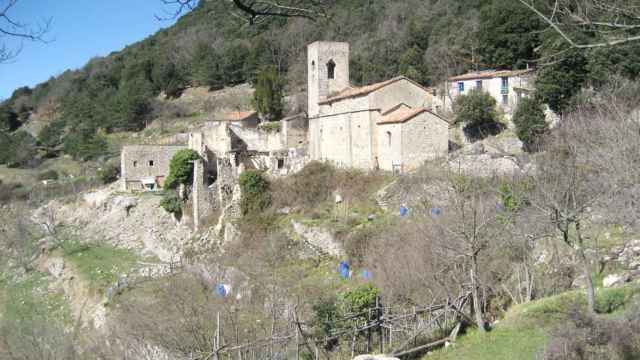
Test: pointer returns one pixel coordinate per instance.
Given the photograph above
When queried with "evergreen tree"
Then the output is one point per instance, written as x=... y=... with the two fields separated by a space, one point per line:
x=268 y=97
x=206 y=67
x=530 y=123
x=557 y=84
x=477 y=110
x=509 y=33
x=8 y=119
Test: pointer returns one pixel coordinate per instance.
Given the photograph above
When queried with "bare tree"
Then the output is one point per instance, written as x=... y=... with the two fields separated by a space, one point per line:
x=254 y=11
x=465 y=229
x=13 y=28
x=613 y=21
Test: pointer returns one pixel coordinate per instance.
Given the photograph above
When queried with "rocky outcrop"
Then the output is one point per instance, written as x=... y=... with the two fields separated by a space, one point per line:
x=130 y=221
x=320 y=239
x=485 y=165
x=615 y=280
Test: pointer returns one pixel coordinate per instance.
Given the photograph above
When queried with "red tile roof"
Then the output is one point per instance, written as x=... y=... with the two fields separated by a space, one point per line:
x=490 y=74
x=403 y=115
x=237 y=115
x=364 y=90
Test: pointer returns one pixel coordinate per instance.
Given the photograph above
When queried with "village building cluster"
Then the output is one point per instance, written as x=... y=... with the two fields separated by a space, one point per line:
x=395 y=125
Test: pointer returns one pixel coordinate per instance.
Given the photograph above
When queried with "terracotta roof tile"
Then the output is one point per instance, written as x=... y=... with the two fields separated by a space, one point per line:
x=405 y=114
x=352 y=92
x=490 y=74
x=401 y=115
x=237 y=115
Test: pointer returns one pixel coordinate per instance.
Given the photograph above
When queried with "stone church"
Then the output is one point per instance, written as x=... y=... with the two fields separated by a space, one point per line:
x=389 y=125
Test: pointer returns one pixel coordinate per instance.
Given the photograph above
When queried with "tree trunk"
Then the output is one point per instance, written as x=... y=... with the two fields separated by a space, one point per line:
x=477 y=305
x=591 y=294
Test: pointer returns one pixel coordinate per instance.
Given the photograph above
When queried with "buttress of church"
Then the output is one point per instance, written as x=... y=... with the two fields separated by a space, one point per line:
x=388 y=125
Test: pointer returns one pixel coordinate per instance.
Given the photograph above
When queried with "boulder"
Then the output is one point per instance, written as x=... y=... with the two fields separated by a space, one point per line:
x=96 y=199
x=55 y=267
x=579 y=282
x=374 y=357
x=125 y=203
x=615 y=280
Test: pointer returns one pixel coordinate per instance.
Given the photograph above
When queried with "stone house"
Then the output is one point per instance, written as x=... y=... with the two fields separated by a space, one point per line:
x=389 y=125
x=505 y=86
x=145 y=167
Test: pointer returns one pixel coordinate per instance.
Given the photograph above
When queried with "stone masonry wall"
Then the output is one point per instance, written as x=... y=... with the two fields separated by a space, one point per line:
x=424 y=137
x=145 y=161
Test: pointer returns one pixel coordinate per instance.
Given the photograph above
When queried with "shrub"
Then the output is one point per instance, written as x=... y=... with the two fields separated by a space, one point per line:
x=360 y=298
x=586 y=337
x=530 y=123
x=109 y=173
x=172 y=203
x=48 y=175
x=477 y=110
x=255 y=192
x=181 y=168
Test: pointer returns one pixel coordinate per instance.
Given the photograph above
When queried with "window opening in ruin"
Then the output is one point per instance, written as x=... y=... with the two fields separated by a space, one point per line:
x=313 y=66
x=135 y=163
x=460 y=87
x=505 y=99
x=331 y=69
x=280 y=163
x=150 y=162
x=389 y=137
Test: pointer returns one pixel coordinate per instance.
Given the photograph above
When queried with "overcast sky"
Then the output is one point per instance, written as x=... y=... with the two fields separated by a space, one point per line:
x=80 y=30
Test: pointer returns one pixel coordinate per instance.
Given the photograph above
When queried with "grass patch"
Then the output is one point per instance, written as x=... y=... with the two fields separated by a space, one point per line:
x=29 y=298
x=523 y=332
x=499 y=344
x=100 y=265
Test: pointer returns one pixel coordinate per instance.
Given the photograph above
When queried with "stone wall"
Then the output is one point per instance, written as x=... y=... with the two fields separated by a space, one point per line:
x=424 y=137
x=217 y=137
x=294 y=130
x=342 y=133
x=319 y=85
x=205 y=200
x=140 y=162
x=389 y=145
x=400 y=92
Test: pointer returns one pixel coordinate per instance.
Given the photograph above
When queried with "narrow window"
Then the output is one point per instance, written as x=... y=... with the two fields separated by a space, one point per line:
x=389 y=138
x=331 y=69
x=150 y=162
x=505 y=99
x=461 y=87
x=280 y=163
x=479 y=84
x=135 y=164
x=505 y=82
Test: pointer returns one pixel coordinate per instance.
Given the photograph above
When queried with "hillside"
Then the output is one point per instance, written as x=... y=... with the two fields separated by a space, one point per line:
x=518 y=239
x=426 y=41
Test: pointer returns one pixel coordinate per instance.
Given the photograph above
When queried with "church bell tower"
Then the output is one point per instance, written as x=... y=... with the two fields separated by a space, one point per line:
x=327 y=72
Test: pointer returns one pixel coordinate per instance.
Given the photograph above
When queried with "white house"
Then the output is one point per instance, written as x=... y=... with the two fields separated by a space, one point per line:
x=506 y=86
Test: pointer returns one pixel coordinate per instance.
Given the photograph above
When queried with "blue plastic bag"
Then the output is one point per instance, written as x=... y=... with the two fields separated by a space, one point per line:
x=344 y=270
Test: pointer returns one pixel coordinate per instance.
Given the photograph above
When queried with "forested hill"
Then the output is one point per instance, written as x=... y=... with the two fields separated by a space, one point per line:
x=425 y=40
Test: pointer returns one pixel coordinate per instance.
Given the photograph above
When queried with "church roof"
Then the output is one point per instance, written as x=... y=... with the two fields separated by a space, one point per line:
x=490 y=74
x=403 y=115
x=364 y=90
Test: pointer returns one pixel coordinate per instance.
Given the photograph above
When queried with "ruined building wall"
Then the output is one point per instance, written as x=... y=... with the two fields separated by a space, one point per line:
x=145 y=161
